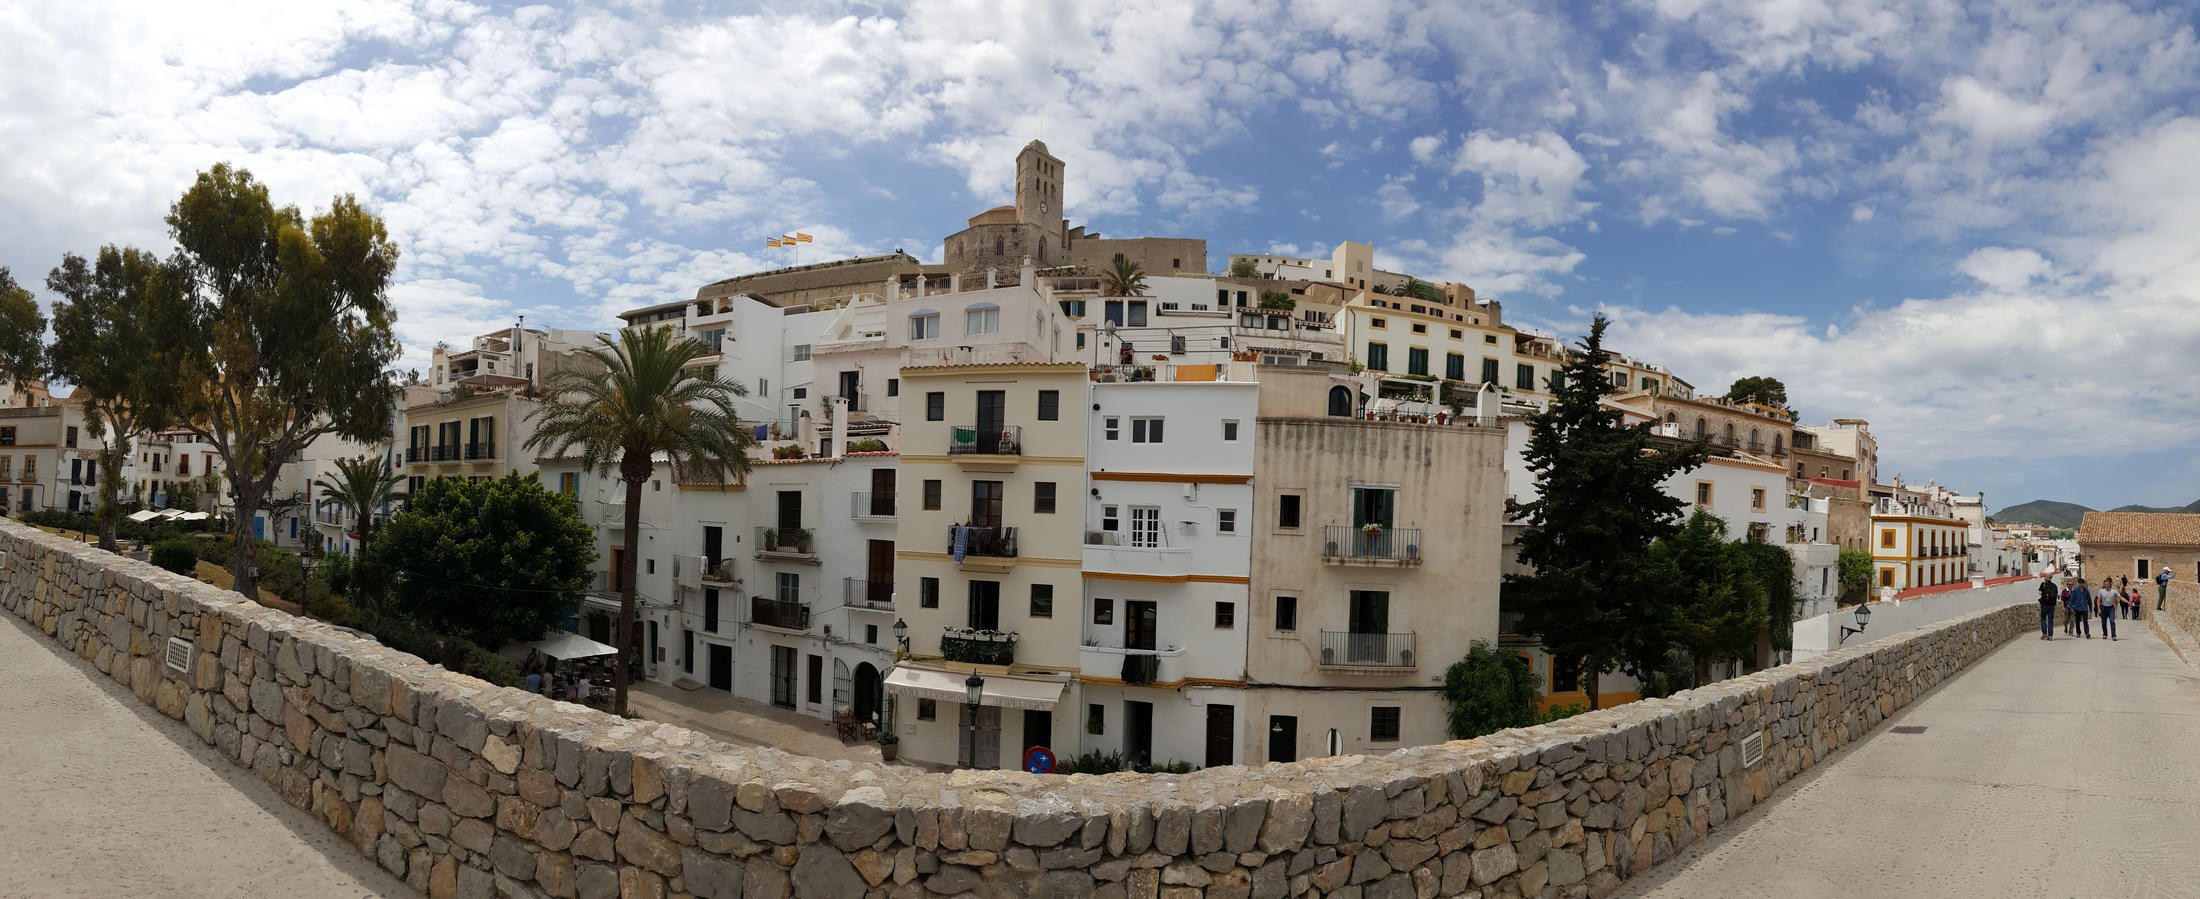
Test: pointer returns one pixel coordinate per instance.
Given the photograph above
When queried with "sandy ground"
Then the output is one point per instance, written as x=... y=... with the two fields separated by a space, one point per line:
x=103 y=797
x=2051 y=769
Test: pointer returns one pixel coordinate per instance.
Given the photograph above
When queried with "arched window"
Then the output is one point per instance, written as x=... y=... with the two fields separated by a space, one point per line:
x=1700 y=434
x=1755 y=440
x=1730 y=433
x=1000 y=247
x=1779 y=444
x=1670 y=418
x=1340 y=401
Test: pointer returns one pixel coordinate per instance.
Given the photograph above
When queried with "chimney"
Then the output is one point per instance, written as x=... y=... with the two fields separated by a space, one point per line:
x=955 y=283
x=893 y=289
x=1030 y=273
x=989 y=277
x=840 y=426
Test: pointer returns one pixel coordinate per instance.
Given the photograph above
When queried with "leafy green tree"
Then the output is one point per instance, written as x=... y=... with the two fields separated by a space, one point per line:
x=1601 y=505
x=363 y=486
x=280 y=334
x=1487 y=691
x=103 y=344
x=176 y=554
x=645 y=401
x=1717 y=602
x=1855 y=571
x=22 y=332
x=1764 y=391
x=1276 y=299
x=1244 y=267
x=1123 y=279
x=1775 y=568
x=489 y=561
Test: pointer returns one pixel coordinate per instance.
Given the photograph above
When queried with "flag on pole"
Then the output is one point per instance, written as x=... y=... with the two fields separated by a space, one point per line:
x=801 y=237
x=787 y=240
x=771 y=242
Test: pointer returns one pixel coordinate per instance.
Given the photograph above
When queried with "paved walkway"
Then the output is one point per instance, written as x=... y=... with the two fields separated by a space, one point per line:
x=2051 y=769
x=101 y=796
x=744 y=722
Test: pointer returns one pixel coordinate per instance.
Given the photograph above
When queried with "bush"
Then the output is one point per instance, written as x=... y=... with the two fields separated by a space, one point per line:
x=334 y=573
x=1560 y=713
x=177 y=555
x=867 y=445
x=1488 y=691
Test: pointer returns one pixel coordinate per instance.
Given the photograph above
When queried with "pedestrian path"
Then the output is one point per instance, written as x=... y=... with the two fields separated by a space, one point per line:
x=2050 y=769
x=102 y=796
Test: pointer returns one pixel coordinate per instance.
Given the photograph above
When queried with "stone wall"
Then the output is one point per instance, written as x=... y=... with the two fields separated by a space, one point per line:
x=2182 y=605
x=466 y=789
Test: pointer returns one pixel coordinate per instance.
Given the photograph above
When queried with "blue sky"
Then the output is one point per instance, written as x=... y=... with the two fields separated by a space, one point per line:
x=1970 y=224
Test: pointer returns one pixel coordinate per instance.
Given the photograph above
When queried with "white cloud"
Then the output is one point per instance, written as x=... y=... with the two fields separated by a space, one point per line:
x=2002 y=268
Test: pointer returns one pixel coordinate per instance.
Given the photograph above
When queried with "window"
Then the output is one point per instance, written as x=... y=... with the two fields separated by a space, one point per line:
x=1382 y=724
x=1042 y=498
x=649 y=566
x=1886 y=577
x=763 y=387
x=71 y=436
x=1229 y=429
x=7 y=436
x=1225 y=521
x=1111 y=427
x=1042 y=600
x=1050 y=405
x=928 y=593
x=1145 y=430
x=935 y=406
x=1524 y=376
x=1378 y=323
x=1103 y=611
x=1489 y=338
x=1565 y=674
x=870 y=634
x=1225 y=615
x=1146 y=526
x=802 y=393
x=569 y=483
x=1703 y=494
x=710 y=611
x=1287 y=613
x=1096 y=719
x=927 y=709
x=924 y=326
x=1455 y=366
x=1456 y=334
x=1489 y=370
x=1287 y=511
x=801 y=352
x=932 y=495
x=893 y=386
x=1419 y=328
x=1108 y=519
x=1176 y=344
x=817 y=680
x=687 y=650
x=985 y=606
x=1378 y=356
x=1756 y=499
x=1886 y=538
x=1340 y=401
x=788 y=585
x=982 y=319
x=1416 y=361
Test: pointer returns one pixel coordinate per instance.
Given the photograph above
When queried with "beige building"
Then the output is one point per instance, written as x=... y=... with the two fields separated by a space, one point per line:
x=818 y=285
x=1375 y=566
x=1034 y=228
x=477 y=410
x=989 y=546
x=1751 y=428
x=1849 y=438
x=1918 y=543
x=2138 y=545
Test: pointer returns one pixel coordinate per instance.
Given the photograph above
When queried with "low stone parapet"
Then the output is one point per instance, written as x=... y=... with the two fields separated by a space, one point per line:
x=462 y=788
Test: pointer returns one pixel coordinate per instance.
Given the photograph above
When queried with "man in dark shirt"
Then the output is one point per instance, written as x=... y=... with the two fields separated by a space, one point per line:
x=2048 y=597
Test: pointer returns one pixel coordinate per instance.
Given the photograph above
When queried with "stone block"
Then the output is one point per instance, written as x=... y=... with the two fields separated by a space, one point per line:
x=639 y=845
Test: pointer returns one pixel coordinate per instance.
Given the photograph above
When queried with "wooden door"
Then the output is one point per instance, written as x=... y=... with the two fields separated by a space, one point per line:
x=879 y=573
x=1221 y=735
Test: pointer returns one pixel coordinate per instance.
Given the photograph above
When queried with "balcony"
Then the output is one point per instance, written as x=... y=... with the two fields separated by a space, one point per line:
x=717 y=572
x=878 y=596
x=779 y=613
x=864 y=504
x=1349 y=545
x=860 y=402
x=788 y=544
x=413 y=454
x=481 y=451
x=1357 y=650
x=969 y=440
x=978 y=647
x=964 y=540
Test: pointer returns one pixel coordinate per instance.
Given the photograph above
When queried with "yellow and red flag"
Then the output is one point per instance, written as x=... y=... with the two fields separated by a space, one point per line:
x=771 y=241
x=801 y=237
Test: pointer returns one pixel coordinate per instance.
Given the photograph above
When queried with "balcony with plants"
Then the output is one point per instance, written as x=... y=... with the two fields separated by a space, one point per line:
x=991 y=542
x=972 y=440
x=785 y=544
x=779 y=614
x=1360 y=651
x=975 y=646
x=1371 y=544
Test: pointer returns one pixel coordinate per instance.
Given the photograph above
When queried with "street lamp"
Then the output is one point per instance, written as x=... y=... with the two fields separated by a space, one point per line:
x=1863 y=617
x=973 y=689
x=901 y=638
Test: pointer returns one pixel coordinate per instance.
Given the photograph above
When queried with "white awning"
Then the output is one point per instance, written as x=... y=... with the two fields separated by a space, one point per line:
x=1001 y=690
x=566 y=646
x=145 y=516
x=194 y=516
x=606 y=603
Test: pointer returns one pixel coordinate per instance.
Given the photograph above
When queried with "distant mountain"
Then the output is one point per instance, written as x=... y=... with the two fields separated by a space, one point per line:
x=2045 y=512
x=2191 y=507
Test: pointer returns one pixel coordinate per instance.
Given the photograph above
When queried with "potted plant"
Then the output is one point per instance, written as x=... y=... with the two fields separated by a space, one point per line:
x=889 y=745
x=771 y=540
x=799 y=538
x=1371 y=538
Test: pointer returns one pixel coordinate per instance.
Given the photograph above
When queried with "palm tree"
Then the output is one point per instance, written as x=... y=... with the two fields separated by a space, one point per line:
x=1124 y=279
x=646 y=401
x=363 y=486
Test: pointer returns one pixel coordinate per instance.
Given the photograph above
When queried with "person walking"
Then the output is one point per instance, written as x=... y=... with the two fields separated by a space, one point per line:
x=2161 y=587
x=2049 y=597
x=2081 y=602
x=2105 y=608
